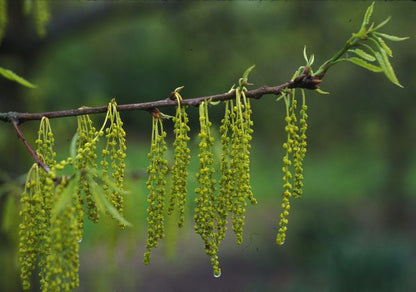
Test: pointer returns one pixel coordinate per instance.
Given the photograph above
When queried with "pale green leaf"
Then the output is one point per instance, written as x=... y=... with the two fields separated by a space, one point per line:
x=364 y=64
x=245 y=75
x=73 y=146
x=311 y=60
x=381 y=24
x=111 y=209
x=364 y=55
x=14 y=77
x=320 y=91
x=384 y=46
x=179 y=89
x=112 y=185
x=391 y=37
x=367 y=16
x=305 y=56
x=215 y=102
x=384 y=62
x=92 y=184
x=100 y=199
x=65 y=197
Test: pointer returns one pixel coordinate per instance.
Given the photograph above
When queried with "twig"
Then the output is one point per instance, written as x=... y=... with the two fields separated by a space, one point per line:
x=29 y=148
x=303 y=81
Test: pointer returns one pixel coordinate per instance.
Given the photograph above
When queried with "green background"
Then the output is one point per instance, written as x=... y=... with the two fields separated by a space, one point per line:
x=353 y=230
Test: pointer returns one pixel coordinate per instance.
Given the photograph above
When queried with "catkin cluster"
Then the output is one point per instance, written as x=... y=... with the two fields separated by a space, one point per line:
x=113 y=157
x=52 y=214
x=156 y=184
x=39 y=244
x=241 y=126
x=295 y=150
x=85 y=160
x=212 y=208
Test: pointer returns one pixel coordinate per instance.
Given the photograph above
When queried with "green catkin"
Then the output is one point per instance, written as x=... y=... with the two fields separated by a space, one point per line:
x=85 y=160
x=33 y=225
x=115 y=152
x=205 y=216
x=240 y=156
x=181 y=161
x=295 y=148
x=287 y=165
x=156 y=184
x=227 y=178
x=45 y=143
x=42 y=16
x=300 y=152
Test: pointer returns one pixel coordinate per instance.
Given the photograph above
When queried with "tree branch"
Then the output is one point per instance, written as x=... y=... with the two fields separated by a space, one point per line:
x=305 y=80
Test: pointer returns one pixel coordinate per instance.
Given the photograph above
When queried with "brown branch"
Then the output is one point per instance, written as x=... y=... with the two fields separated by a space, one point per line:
x=29 y=148
x=305 y=80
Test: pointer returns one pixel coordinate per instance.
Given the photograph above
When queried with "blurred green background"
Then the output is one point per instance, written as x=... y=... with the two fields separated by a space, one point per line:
x=354 y=228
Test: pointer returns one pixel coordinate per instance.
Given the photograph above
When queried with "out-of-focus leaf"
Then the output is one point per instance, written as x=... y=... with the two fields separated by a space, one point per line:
x=363 y=55
x=9 y=213
x=92 y=184
x=391 y=37
x=73 y=146
x=65 y=197
x=110 y=208
x=14 y=77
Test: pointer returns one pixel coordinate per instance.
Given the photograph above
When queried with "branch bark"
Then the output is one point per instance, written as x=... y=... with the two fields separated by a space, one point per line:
x=305 y=80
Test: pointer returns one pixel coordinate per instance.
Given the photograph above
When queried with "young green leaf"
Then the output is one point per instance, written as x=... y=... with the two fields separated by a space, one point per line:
x=66 y=196
x=367 y=17
x=112 y=185
x=384 y=62
x=92 y=184
x=391 y=37
x=245 y=75
x=362 y=63
x=309 y=61
x=305 y=56
x=110 y=208
x=73 y=146
x=320 y=91
x=363 y=55
x=384 y=46
x=14 y=77
x=381 y=24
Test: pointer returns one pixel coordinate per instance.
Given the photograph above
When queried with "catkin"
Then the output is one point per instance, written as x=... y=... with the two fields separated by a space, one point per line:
x=156 y=184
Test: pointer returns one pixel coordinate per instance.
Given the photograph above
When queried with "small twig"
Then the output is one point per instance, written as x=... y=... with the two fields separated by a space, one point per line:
x=29 y=148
